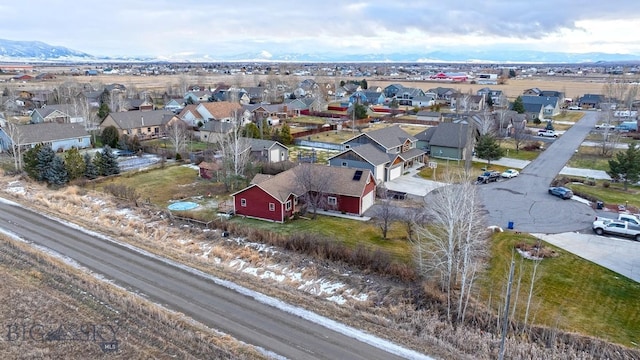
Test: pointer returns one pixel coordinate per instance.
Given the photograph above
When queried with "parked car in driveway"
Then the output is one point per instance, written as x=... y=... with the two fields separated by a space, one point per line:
x=509 y=173
x=575 y=107
x=615 y=227
x=561 y=192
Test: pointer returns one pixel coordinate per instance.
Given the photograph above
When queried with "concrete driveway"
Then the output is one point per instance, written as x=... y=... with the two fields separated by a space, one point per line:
x=616 y=254
x=413 y=185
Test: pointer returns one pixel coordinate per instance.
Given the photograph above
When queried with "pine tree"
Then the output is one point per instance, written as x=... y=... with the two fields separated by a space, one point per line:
x=285 y=135
x=98 y=163
x=110 y=164
x=30 y=160
x=56 y=173
x=74 y=164
x=110 y=136
x=44 y=158
x=625 y=165
x=488 y=149
x=90 y=170
x=518 y=105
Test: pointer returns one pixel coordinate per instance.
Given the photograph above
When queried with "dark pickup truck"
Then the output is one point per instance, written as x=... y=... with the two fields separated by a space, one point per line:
x=488 y=176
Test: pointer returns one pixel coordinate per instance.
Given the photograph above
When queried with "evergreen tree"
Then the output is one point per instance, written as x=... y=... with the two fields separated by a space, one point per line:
x=625 y=166
x=361 y=111
x=285 y=135
x=30 y=160
x=110 y=136
x=109 y=162
x=488 y=149
x=518 y=105
x=74 y=164
x=251 y=130
x=489 y=101
x=103 y=111
x=97 y=162
x=275 y=135
x=549 y=125
x=363 y=84
x=265 y=129
x=44 y=158
x=90 y=170
x=394 y=103
x=56 y=173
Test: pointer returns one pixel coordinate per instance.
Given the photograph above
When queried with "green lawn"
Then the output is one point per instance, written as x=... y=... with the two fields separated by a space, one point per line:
x=589 y=157
x=570 y=293
x=350 y=232
x=161 y=185
x=614 y=194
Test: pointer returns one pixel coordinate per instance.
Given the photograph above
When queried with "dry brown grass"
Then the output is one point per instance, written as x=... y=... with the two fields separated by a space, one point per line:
x=572 y=86
x=40 y=289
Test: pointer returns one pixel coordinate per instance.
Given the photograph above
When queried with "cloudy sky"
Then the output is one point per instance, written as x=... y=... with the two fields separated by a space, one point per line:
x=189 y=27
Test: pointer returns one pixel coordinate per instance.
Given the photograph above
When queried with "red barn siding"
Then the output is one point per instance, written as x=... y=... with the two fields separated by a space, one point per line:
x=258 y=204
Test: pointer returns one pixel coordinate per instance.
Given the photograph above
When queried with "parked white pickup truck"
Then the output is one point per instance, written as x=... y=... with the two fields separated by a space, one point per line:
x=547 y=133
x=632 y=219
x=615 y=227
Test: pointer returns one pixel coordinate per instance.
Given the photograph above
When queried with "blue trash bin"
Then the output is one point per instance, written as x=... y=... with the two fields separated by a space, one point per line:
x=510 y=225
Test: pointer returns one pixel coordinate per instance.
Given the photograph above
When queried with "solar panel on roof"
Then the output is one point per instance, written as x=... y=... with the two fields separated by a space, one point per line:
x=357 y=175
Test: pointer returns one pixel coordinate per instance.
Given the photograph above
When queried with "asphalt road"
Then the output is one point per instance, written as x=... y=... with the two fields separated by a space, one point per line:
x=202 y=297
x=525 y=200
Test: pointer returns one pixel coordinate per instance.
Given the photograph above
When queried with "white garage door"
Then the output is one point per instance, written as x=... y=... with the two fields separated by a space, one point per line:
x=395 y=173
x=367 y=201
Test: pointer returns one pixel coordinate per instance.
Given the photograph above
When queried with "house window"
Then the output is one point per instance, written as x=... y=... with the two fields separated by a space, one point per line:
x=287 y=205
x=79 y=140
x=332 y=200
x=243 y=202
x=148 y=129
x=272 y=207
x=344 y=164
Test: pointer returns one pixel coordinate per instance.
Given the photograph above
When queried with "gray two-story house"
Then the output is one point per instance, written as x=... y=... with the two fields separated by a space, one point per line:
x=387 y=152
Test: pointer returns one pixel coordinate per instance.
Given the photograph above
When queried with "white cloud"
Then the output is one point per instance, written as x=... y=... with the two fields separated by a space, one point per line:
x=164 y=27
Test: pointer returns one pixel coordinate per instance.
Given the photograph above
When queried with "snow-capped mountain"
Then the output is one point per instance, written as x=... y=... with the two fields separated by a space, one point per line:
x=38 y=51
x=34 y=51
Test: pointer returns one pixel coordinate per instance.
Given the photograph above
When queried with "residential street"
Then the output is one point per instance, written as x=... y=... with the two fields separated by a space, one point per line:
x=524 y=200
x=248 y=316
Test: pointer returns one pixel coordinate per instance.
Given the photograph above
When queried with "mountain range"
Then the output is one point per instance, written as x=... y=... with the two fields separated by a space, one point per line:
x=36 y=51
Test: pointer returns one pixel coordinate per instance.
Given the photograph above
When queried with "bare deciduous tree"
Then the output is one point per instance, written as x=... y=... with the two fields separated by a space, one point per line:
x=384 y=212
x=236 y=153
x=17 y=136
x=610 y=138
x=313 y=182
x=453 y=243
x=177 y=132
x=486 y=123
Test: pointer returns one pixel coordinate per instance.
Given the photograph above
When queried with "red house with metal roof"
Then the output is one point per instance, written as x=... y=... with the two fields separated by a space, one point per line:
x=277 y=198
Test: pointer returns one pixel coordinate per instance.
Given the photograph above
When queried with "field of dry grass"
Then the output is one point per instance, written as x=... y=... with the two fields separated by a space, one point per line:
x=51 y=310
x=572 y=86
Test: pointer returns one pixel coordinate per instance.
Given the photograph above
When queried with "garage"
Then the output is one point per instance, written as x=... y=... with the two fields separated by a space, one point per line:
x=395 y=173
x=367 y=201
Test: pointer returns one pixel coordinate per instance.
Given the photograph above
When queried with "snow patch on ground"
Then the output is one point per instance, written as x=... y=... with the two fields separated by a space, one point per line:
x=15 y=187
